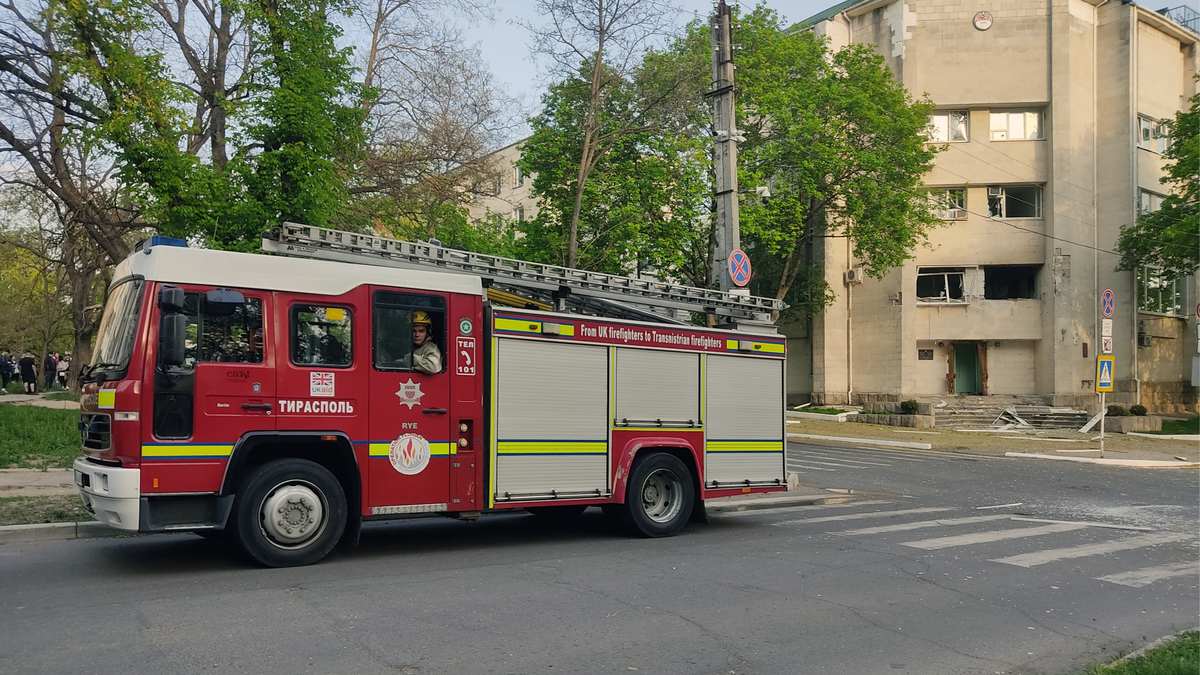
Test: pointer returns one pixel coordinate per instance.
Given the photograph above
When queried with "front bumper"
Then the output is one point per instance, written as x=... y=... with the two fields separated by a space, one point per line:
x=111 y=494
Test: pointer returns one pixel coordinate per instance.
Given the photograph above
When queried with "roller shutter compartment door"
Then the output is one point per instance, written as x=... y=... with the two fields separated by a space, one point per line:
x=744 y=420
x=654 y=386
x=551 y=420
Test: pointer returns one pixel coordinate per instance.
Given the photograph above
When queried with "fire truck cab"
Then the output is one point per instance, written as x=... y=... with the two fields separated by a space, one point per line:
x=275 y=401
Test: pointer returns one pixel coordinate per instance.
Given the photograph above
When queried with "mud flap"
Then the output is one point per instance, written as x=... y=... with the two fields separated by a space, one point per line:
x=350 y=537
x=699 y=515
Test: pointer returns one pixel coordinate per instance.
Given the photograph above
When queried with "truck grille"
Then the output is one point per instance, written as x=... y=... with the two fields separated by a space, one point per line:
x=95 y=430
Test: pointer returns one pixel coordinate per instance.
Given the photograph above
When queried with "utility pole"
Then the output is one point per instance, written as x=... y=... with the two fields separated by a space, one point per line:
x=725 y=140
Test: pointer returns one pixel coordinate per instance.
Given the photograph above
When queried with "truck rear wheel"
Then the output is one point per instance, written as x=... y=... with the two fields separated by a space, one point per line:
x=658 y=497
x=289 y=512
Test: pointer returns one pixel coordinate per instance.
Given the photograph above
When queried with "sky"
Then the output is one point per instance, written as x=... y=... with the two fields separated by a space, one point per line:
x=505 y=45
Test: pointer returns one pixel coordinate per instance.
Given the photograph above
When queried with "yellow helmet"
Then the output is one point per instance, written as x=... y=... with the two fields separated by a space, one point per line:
x=420 y=316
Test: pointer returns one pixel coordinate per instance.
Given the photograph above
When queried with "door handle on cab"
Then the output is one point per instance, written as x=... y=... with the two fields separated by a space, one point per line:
x=434 y=411
x=256 y=406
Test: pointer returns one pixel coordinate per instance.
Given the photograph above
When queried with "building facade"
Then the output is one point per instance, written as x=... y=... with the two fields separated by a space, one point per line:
x=1050 y=111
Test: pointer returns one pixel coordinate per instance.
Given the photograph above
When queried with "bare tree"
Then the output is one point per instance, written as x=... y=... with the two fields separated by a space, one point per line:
x=42 y=144
x=603 y=41
x=434 y=110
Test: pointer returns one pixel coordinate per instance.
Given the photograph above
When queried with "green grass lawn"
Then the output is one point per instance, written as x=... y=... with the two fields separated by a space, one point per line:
x=1180 y=657
x=1190 y=426
x=37 y=438
x=823 y=411
x=61 y=396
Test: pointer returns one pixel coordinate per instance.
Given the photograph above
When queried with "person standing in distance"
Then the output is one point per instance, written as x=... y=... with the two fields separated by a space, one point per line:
x=426 y=357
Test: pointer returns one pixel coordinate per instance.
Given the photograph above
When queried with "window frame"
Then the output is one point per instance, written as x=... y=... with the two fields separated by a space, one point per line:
x=949 y=115
x=199 y=319
x=1149 y=201
x=1148 y=139
x=945 y=272
x=959 y=204
x=432 y=309
x=1039 y=206
x=1177 y=292
x=1008 y=113
x=293 y=308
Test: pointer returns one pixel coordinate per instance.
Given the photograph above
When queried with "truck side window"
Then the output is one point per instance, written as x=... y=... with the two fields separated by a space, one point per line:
x=223 y=336
x=321 y=336
x=393 y=327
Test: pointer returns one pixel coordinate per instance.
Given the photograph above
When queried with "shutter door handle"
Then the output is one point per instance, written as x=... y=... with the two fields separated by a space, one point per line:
x=434 y=411
x=256 y=406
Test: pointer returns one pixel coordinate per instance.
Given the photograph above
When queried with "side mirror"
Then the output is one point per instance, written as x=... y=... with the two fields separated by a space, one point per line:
x=170 y=299
x=222 y=302
x=172 y=334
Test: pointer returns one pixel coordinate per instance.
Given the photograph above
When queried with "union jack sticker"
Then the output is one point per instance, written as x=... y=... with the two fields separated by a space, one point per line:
x=320 y=384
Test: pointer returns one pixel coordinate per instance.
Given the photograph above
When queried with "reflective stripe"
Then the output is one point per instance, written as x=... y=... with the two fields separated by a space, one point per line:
x=744 y=446
x=106 y=399
x=185 y=450
x=528 y=327
x=552 y=447
x=436 y=449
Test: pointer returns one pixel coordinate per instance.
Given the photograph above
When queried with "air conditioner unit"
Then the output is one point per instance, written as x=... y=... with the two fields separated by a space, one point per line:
x=1144 y=339
x=854 y=275
x=995 y=192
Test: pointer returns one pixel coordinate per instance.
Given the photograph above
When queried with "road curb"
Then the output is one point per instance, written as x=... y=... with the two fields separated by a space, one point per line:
x=865 y=441
x=57 y=532
x=1142 y=463
x=1166 y=640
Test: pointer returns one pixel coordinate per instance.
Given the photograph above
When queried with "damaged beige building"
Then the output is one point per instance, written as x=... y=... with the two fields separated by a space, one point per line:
x=1051 y=112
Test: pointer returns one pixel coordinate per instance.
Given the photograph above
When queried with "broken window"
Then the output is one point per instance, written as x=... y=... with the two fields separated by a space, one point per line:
x=950 y=204
x=1016 y=125
x=949 y=126
x=1022 y=201
x=1010 y=282
x=940 y=284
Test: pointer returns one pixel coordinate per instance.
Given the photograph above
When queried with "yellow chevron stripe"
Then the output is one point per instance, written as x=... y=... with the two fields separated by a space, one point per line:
x=519 y=326
x=745 y=446
x=553 y=447
x=186 y=450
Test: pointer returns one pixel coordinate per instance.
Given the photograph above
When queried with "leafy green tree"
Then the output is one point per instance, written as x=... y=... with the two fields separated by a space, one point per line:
x=641 y=195
x=1169 y=238
x=841 y=146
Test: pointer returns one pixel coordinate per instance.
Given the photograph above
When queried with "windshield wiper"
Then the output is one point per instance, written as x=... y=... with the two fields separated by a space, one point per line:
x=86 y=373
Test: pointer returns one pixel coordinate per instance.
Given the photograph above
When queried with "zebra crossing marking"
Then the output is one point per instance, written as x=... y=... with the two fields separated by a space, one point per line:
x=808 y=507
x=921 y=524
x=1053 y=555
x=859 y=516
x=987 y=537
x=1148 y=575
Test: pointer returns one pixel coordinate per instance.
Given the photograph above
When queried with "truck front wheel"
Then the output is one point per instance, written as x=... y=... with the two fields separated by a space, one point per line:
x=289 y=512
x=658 y=497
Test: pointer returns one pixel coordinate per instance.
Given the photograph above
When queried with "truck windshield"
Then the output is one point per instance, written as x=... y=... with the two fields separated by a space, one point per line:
x=118 y=327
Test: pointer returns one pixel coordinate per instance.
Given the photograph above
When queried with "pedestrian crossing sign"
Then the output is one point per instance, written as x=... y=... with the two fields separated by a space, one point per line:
x=1104 y=373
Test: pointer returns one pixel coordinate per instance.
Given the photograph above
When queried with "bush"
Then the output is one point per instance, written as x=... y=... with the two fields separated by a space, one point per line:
x=909 y=407
x=1116 y=411
x=1139 y=410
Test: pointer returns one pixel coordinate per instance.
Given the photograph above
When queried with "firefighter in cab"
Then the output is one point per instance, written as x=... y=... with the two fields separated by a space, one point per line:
x=426 y=357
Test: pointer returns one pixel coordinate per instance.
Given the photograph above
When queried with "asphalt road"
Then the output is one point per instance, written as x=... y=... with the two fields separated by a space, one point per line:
x=933 y=564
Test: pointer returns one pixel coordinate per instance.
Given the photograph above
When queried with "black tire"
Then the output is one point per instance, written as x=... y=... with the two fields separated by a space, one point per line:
x=308 y=507
x=658 y=497
x=557 y=515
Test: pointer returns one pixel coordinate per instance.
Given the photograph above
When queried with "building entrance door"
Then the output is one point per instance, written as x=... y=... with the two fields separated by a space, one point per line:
x=966 y=369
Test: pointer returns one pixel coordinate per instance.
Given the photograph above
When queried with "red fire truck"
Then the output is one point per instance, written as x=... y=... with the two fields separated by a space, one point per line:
x=273 y=399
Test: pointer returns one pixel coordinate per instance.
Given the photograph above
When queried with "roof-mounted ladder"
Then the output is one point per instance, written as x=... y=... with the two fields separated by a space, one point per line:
x=551 y=280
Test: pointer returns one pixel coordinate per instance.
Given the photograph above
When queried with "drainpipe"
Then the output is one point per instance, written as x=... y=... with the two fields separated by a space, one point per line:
x=1096 y=189
x=1133 y=166
x=849 y=331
